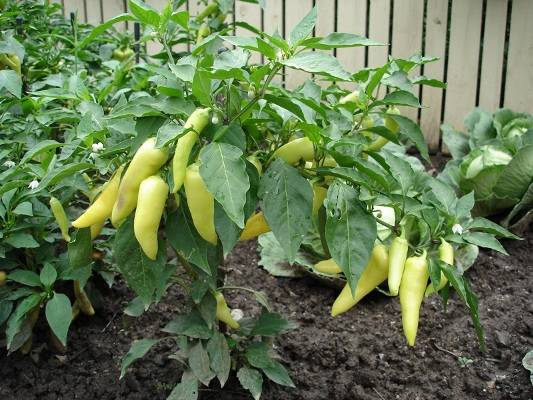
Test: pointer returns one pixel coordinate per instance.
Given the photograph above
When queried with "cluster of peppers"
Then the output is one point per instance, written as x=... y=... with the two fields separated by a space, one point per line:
x=406 y=276
x=140 y=188
x=12 y=61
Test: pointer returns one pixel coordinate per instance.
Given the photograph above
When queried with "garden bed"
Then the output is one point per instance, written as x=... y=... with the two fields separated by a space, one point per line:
x=359 y=355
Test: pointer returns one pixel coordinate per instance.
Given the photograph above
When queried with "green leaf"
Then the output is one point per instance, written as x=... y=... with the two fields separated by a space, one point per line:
x=41 y=147
x=252 y=380
x=199 y=363
x=483 y=239
x=48 y=275
x=231 y=59
x=337 y=40
x=98 y=30
x=463 y=290
x=517 y=175
x=138 y=349
x=181 y=18
x=207 y=309
x=223 y=170
x=488 y=226
x=19 y=321
x=422 y=80
x=401 y=98
x=25 y=277
x=184 y=238
x=5 y=310
x=167 y=133
x=59 y=316
x=201 y=87
x=317 y=63
x=24 y=208
x=400 y=170
x=11 y=81
x=135 y=308
x=399 y=80
x=258 y=355
x=191 y=325
x=350 y=231
x=138 y=270
x=287 y=104
x=287 y=200
x=21 y=240
x=227 y=230
x=303 y=28
x=186 y=390
x=523 y=206
x=271 y=324
x=144 y=12
x=80 y=248
x=412 y=131
x=219 y=354
x=277 y=373
x=457 y=142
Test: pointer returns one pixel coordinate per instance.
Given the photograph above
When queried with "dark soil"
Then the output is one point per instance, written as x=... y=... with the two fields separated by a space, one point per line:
x=359 y=355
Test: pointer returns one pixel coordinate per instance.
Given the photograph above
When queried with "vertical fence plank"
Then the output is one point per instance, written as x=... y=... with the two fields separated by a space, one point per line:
x=250 y=13
x=463 y=58
x=273 y=17
x=519 y=84
x=493 y=47
x=294 y=12
x=325 y=24
x=94 y=11
x=407 y=36
x=378 y=30
x=77 y=6
x=431 y=98
x=351 y=18
x=112 y=8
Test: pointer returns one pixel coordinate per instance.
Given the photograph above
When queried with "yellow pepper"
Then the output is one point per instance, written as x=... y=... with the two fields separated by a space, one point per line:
x=446 y=255
x=146 y=162
x=296 y=150
x=201 y=204
x=255 y=225
x=60 y=216
x=223 y=312
x=153 y=194
x=397 y=257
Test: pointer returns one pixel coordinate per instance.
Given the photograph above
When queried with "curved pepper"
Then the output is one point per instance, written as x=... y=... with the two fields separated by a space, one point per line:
x=198 y=120
x=3 y=278
x=60 y=216
x=328 y=266
x=207 y=11
x=446 y=255
x=352 y=98
x=146 y=162
x=319 y=194
x=153 y=194
x=257 y=164
x=397 y=257
x=374 y=274
x=255 y=225
x=391 y=125
x=223 y=312
x=102 y=207
x=201 y=204
x=414 y=281
x=296 y=150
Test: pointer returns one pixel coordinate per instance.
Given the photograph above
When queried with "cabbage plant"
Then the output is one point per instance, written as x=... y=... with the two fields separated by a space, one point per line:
x=494 y=159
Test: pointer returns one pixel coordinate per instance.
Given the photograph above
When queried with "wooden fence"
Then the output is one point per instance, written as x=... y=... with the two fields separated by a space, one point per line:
x=485 y=46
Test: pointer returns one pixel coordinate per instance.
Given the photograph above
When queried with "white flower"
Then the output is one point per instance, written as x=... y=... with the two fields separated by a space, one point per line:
x=9 y=164
x=457 y=229
x=34 y=184
x=237 y=314
x=96 y=147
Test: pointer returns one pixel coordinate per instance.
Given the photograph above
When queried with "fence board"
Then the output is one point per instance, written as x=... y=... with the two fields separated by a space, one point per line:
x=112 y=8
x=463 y=60
x=294 y=12
x=436 y=27
x=407 y=31
x=490 y=81
x=352 y=19
x=378 y=30
x=94 y=11
x=325 y=24
x=75 y=6
x=250 y=13
x=519 y=84
x=273 y=17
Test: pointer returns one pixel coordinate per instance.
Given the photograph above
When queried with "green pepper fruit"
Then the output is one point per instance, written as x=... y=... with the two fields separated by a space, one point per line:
x=296 y=150
x=60 y=216
x=446 y=255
